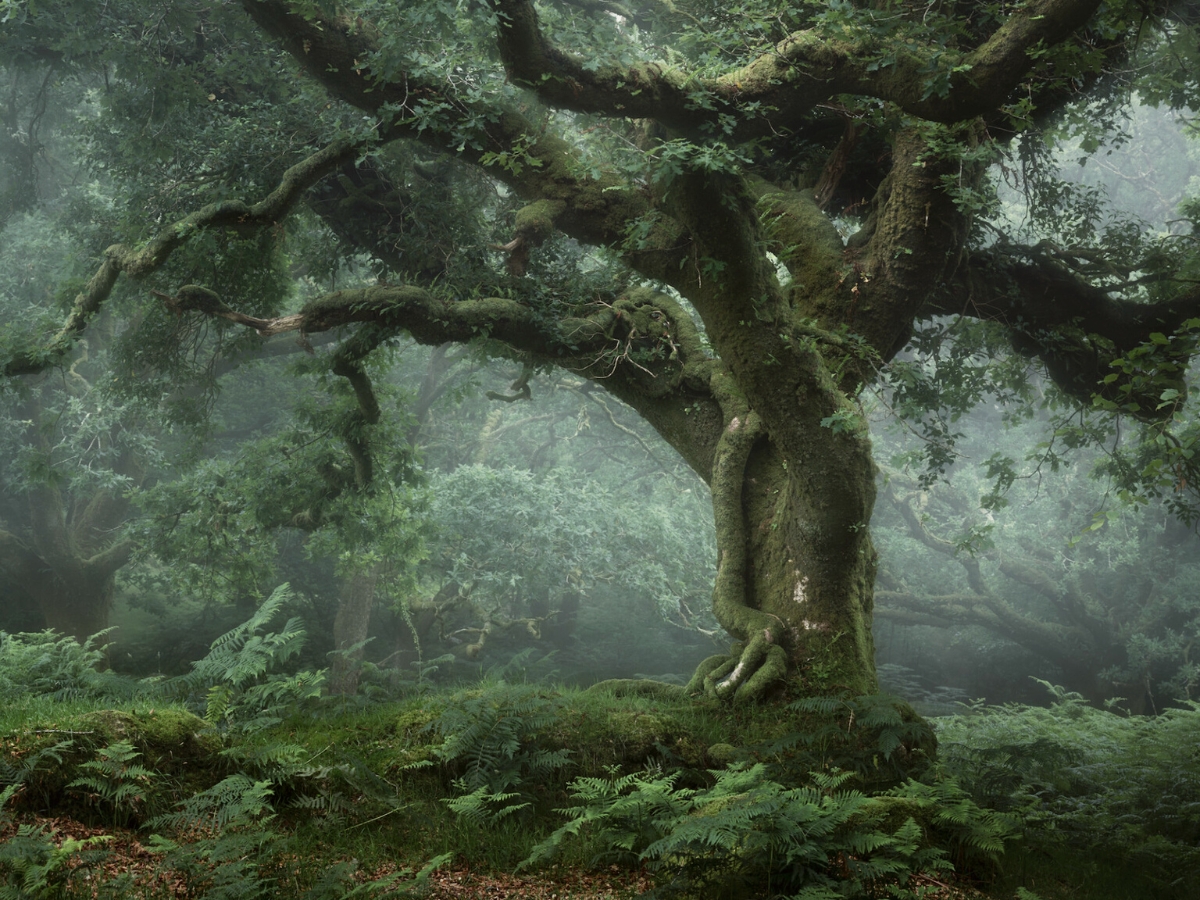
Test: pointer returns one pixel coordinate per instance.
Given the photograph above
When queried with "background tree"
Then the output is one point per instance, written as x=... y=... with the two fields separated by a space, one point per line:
x=1104 y=606
x=332 y=470
x=68 y=457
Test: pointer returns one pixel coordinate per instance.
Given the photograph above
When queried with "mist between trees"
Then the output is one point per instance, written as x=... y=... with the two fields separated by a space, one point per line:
x=759 y=356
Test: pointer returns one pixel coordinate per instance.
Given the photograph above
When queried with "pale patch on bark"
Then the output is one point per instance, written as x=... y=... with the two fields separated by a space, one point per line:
x=736 y=674
x=814 y=626
x=734 y=425
x=799 y=594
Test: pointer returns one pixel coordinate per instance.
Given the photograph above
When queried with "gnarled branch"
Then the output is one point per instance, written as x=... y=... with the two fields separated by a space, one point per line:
x=120 y=259
x=804 y=69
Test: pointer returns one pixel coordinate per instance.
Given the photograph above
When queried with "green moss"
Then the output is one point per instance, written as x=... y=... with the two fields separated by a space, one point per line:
x=722 y=754
x=411 y=723
x=170 y=739
x=535 y=222
x=630 y=739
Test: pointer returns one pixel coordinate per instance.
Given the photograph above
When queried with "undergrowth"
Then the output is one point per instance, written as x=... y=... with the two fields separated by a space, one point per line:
x=1100 y=783
x=241 y=779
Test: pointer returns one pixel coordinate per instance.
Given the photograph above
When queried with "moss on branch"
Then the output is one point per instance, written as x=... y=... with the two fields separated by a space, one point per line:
x=806 y=68
x=138 y=262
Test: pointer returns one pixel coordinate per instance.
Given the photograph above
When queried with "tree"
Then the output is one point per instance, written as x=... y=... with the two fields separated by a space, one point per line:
x=1108 y=602
x=61 y=535
x=68 y=459
x=325 y=473
x=709 y=155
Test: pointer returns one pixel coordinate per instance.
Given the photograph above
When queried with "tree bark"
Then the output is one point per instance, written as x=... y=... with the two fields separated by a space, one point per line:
x=350 y=628
x=67 y=560
x=795 y=574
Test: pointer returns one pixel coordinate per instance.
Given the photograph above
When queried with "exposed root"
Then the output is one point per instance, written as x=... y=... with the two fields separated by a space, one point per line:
x=744 y=675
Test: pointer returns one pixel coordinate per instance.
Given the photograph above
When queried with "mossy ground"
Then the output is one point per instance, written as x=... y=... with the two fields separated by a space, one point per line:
x=363 y=782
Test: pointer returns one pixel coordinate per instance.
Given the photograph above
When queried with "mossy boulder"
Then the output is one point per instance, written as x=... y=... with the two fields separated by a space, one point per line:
x=722 y=754
x=170 y=739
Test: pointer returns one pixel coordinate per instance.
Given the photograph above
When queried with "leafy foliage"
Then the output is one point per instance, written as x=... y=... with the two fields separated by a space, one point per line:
x=875 y=736
x=505 y=535
x=1122 y=786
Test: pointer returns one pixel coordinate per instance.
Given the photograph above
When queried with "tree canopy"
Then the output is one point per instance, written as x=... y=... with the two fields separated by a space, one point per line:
x=733 y=218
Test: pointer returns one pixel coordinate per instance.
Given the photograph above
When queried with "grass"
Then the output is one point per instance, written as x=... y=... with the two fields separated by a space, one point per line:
x=27 y=711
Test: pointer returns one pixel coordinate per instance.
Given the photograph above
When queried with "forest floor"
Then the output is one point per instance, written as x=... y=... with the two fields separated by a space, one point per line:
x=127 y=857
x=358 y=800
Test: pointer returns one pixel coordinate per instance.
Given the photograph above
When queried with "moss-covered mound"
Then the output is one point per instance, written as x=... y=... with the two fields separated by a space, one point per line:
x=179 y=752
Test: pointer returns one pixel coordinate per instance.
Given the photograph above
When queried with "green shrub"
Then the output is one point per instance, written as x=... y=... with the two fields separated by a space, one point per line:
x=1124 y=787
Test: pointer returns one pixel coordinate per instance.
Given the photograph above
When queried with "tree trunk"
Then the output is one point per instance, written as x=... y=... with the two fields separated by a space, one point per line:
x=73 y=595
x=796 y=567
x=79 y=610
x=70 y=600
x=75 y=559
x=350 y=627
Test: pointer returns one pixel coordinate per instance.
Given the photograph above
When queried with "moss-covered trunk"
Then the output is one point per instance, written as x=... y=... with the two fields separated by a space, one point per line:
x=792 y=476
x=796 y=566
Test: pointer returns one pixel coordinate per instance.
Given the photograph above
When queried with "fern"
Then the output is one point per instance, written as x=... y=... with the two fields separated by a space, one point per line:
x=236 y=801
x=343 y=788
x=235 y=678
x=338 y=883
x=868 y=735
x=226 y=866
x=117 y=782
x=1127 y=787
x=748 y=832
x=623 y=813
x=954 y=817
x=48 y=664
x=18 y=773
x=229 y=830
x=490 y=742
x=482 y=805
x=36 y=863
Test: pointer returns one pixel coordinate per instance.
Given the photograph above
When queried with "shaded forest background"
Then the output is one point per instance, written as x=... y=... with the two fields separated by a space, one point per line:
x=530 y=510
